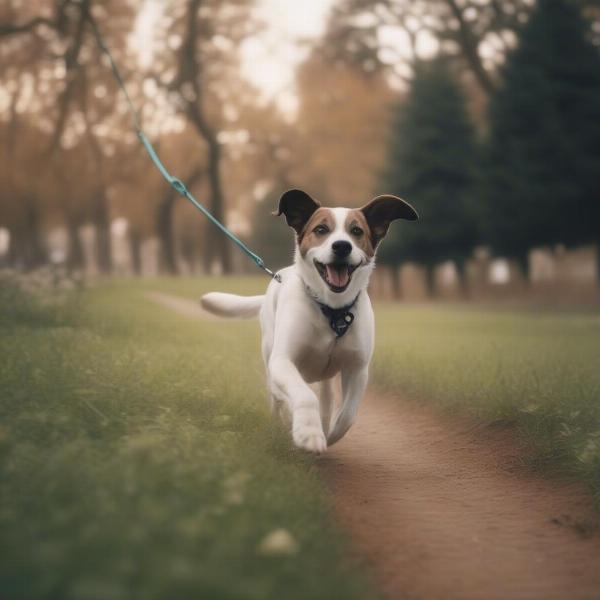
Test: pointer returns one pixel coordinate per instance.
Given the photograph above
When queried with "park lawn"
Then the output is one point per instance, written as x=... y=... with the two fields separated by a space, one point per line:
x=537 y=370
x=138 y=460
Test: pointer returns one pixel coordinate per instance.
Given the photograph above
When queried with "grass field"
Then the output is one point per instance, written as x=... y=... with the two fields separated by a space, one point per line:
x=539 y=371
x=138 y=460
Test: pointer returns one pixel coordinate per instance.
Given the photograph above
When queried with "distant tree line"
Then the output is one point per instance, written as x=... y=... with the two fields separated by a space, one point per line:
x=494 y=132
x=71 y=157
x=531 y=178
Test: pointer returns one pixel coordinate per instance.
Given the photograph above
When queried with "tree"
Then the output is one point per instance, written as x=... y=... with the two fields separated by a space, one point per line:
x=432 y=163
x=343 y=120
x=460 y=29
x=392 y=34
x=84 y=133
x=198 y=85
x=51 y=50
x=544 y=145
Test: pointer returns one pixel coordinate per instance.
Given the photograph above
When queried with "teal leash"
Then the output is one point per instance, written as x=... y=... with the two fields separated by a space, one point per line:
x=174 y=182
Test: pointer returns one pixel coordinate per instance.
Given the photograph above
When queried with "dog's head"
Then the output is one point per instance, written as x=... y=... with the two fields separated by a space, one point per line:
x=335 y=247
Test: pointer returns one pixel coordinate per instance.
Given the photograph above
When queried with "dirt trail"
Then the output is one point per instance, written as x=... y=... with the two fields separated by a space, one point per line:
x=182 y=306
x=442 y=510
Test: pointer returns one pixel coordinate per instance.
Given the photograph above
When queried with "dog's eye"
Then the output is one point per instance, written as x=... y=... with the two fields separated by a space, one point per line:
x=356 y=231
x=321 y=229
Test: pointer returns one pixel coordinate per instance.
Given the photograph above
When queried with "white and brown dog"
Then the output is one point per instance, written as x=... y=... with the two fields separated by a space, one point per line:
x=318 y=321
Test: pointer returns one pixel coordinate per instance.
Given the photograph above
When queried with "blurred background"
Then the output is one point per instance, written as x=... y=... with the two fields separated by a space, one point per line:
x=137 y=455
x=484 y=114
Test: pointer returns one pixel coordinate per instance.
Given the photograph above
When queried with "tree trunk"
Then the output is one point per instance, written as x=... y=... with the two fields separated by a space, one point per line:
x=523 y=262
x=75 y=249
x=221 y=245
x=598 y=262
x=217 y=245
x=164 y=224
x=135 y=250
x=461 y=273
x=25 y=251
x=101 y=221
x=164 y=230
x=208 y=250
x=33 y=249
x=188 y=254
x=397 y=281
x=15 y=249
x=189 y=78
x=430 y=281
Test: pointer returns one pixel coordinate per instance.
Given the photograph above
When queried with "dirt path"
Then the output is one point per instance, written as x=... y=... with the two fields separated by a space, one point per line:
x=182 y=306
x=442 y=510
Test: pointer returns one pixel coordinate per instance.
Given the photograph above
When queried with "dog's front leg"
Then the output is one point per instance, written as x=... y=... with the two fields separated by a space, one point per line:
x=288 y=386
x=354 y=384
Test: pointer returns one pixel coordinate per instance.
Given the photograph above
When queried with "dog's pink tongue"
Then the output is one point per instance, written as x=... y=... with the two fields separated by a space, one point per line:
x=338 y=278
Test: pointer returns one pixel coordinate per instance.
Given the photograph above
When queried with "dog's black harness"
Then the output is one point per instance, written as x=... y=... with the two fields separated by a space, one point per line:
x=341 y=318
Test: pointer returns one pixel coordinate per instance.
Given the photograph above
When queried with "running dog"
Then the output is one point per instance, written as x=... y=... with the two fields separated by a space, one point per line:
x=317 y=321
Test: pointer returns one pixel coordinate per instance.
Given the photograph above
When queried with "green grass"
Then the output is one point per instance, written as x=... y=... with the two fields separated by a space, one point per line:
x=539 y=371
x=137 y=460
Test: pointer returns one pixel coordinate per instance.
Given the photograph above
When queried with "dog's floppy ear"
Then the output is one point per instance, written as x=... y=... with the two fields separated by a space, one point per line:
x=381 y=211
x=297 y=206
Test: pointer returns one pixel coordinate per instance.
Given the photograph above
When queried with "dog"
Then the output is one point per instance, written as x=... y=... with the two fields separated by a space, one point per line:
x=317 y=321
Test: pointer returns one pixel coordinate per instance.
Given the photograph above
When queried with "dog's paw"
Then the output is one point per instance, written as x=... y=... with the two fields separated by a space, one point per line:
x=311 y=439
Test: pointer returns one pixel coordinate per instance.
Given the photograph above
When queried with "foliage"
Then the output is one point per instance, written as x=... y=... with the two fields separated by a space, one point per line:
x=343 y=122
x=138 y=461
x=536 y=371
x=358 y=33
x=544 y=147
x=432 y=164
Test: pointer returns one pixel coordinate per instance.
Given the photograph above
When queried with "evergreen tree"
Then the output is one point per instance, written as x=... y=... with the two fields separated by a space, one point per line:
x=432 y=163
x=543 y=174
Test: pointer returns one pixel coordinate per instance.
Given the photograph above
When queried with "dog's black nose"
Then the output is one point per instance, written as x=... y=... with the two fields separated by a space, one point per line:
x=341 y=249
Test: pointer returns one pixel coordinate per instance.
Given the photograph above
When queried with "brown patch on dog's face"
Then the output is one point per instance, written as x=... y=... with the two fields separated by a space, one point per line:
x=357 y=227
x=317 y=229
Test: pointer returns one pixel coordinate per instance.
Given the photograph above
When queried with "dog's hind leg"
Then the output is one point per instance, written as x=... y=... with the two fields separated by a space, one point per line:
x=354 y=383
x=326 y=402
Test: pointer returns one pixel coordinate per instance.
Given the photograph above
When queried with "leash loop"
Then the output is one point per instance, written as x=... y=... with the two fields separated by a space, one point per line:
x=178 y=185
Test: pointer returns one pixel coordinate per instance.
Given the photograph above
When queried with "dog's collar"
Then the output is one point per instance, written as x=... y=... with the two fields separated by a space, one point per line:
x=340 y=318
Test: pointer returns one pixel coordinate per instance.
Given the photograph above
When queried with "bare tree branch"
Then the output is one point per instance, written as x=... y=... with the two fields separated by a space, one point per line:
x=71 y=61
x=28 y=27
x=469 y=45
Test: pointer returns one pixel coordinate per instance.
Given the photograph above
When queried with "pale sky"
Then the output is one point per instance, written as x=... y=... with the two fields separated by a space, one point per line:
x=269 y=58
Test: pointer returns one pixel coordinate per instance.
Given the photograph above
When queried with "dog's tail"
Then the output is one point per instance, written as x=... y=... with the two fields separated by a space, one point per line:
x=230 y=305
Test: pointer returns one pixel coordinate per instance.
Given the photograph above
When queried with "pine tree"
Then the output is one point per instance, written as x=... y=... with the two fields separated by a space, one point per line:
x=432 y=164
x=543 y=172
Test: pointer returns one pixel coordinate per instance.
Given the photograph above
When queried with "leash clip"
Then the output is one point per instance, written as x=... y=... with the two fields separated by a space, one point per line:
x=275 y=276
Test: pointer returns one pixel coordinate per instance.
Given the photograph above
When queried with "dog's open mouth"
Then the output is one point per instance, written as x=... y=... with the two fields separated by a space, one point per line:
x=336 y=275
